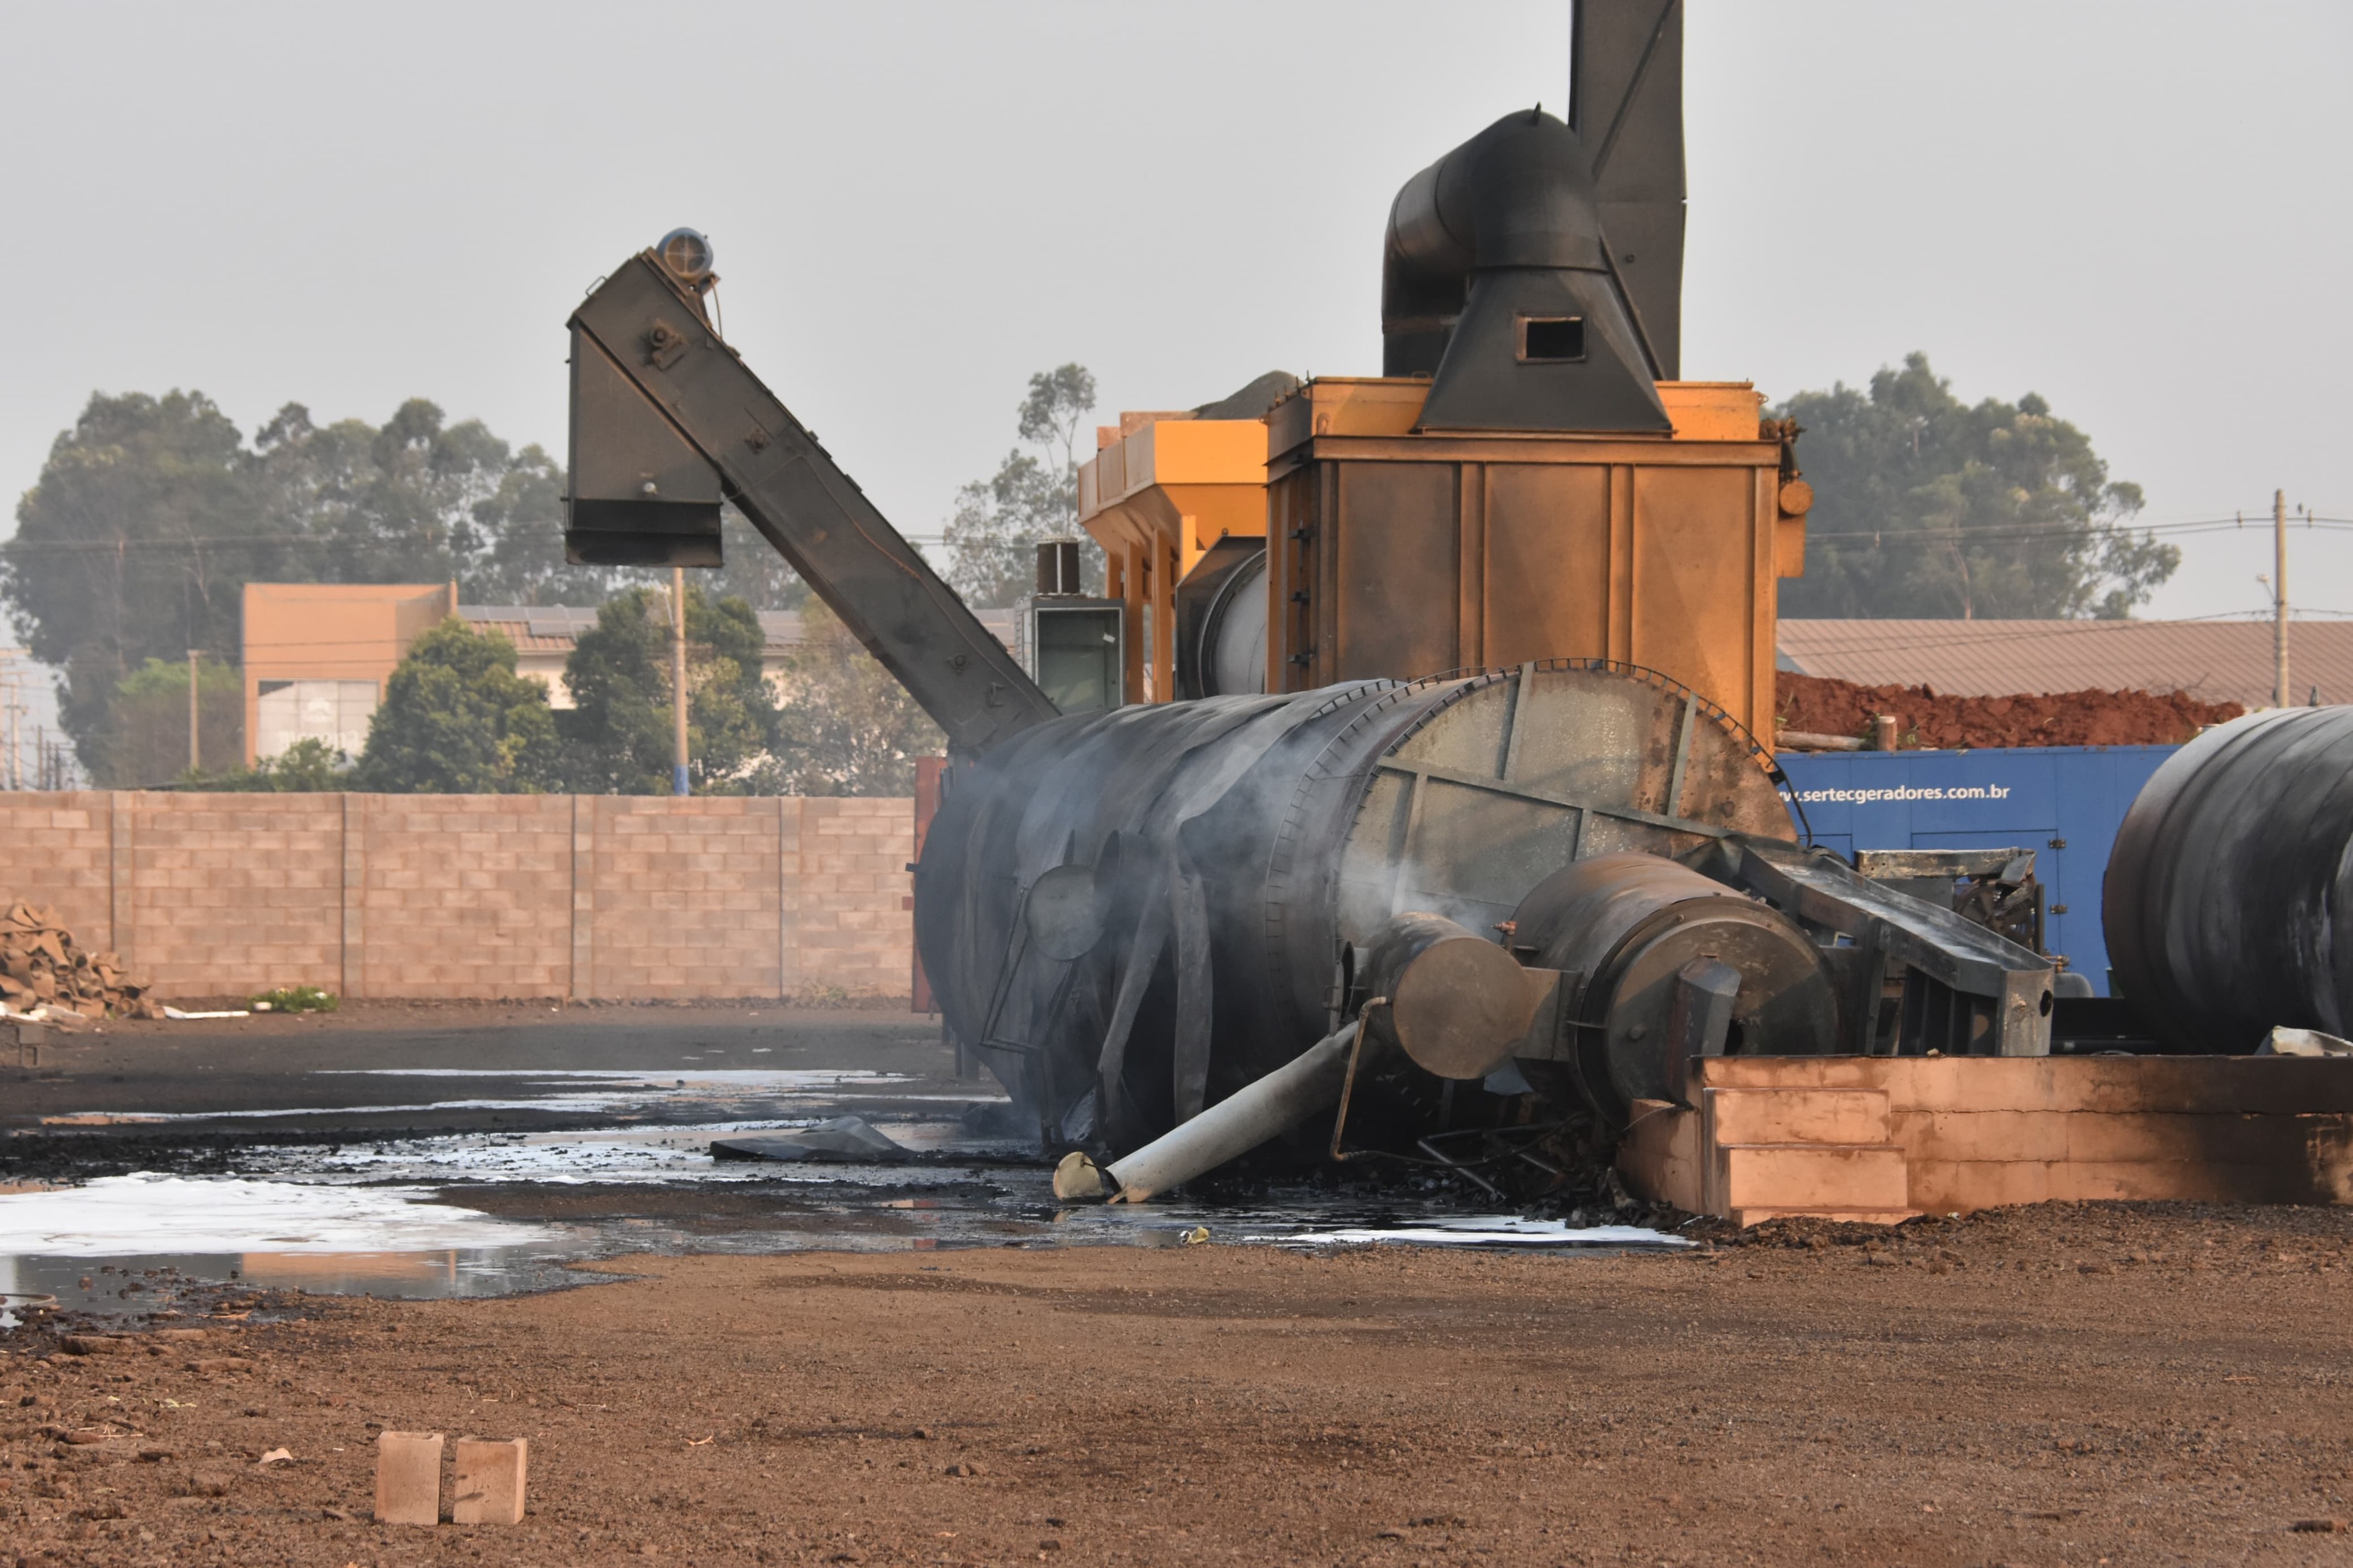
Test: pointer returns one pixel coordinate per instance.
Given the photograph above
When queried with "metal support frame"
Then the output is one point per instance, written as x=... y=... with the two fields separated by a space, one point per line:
x=1422 y=771
x=653 y=332
x=1969 y=990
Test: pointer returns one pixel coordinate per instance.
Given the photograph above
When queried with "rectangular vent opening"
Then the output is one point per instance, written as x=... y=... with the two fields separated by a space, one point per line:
x=1551 y=339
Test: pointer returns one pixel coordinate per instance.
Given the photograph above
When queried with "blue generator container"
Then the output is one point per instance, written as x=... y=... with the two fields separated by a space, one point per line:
x=2064 y=803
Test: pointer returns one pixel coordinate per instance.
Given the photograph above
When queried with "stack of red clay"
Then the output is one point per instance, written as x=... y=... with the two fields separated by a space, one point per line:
x=41 y=967
x=1815 y=705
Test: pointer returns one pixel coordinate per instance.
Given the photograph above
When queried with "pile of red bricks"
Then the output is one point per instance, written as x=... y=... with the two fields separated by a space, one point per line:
x=41 y=967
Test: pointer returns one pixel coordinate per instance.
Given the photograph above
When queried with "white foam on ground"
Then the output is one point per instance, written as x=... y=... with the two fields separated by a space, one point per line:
x=651 y=1077
x=147 y=1213
x=1491 y=1230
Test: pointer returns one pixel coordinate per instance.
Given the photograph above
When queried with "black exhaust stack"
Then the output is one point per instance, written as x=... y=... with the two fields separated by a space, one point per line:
x=1626 y=105
x=1500 y=277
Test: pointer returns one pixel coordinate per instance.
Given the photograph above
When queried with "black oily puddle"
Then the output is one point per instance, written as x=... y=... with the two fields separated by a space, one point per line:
x=572 y=1227
x=811 y=1209
x=572 y=1200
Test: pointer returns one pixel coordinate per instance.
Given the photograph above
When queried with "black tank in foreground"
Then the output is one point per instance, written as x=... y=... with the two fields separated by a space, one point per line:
x=2228 y=898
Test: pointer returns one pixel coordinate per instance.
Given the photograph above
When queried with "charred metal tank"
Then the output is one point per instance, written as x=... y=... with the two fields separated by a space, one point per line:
x=2229 y=897
x=1131 y=915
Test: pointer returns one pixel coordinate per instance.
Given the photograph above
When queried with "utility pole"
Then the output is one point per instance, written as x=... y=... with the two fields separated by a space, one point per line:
x=16 y=706
x=678 y=676
x=2279 y=599
x=195 y=752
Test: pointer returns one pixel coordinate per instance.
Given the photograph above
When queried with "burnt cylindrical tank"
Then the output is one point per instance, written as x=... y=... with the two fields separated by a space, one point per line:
x=2229 y=900
x=1130 y=915
x=1623 y=928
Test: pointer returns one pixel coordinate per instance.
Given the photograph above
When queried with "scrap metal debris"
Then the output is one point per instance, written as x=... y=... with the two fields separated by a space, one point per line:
x=2284 y=1041
x=842 y=1138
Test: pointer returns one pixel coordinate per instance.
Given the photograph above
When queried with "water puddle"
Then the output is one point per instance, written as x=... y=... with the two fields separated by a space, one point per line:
x=474 y=1214
x=136 y=1245
x=156 y=1214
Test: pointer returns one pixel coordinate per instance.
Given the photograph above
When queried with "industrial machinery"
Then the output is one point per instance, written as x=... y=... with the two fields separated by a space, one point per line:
x=1461 y=818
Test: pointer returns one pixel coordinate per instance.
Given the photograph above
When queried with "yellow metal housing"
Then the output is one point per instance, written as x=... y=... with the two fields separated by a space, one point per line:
x=1161 y=490
x=1403 y=555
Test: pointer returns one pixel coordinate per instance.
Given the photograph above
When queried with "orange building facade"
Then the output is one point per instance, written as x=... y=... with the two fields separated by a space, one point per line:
x=317 y=656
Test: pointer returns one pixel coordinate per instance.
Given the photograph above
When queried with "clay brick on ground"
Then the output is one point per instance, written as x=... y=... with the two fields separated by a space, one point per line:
x=408 y=1477
x=490 y=1480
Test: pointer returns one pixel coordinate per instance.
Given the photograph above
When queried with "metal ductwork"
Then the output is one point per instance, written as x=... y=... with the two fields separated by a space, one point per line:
x=1496 y=282
x=641 y=494
x=1626 y=105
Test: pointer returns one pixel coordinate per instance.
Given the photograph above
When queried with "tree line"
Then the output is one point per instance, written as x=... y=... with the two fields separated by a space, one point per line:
x=151 y=513
x=1930 y=508
x=457 y=719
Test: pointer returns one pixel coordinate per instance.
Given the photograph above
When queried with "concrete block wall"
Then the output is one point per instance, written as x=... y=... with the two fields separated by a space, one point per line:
x=1957 y=1133
x=58 y=849
x=586 y=897
x=457 y=895
x=224 y=884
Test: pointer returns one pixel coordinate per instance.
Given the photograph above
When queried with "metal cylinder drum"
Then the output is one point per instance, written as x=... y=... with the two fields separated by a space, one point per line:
x=1623 y=927
x=1453 y=1001
x=1233 y=635
x=2229 y=898
x=1130 y=915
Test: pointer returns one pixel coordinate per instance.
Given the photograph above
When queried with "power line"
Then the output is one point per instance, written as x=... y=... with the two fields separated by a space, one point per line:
x=238 y=542
x=1902 y=535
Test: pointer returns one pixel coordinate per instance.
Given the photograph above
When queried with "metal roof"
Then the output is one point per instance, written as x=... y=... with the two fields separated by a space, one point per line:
x=2215 y=661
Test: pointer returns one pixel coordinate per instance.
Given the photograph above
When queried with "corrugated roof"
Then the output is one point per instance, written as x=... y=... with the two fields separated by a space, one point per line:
x=511 y=620
x=2215 y=661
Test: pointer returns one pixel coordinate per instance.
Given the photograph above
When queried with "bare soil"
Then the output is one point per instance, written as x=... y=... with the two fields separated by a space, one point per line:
x=2079 y=1384
x=1928 y=718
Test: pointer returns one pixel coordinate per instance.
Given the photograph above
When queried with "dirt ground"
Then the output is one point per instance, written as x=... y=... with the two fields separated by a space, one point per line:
x=1930 y=718
x=2085 y=1384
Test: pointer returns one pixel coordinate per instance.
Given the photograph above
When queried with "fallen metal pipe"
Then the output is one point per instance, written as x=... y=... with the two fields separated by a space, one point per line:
x=1262 y=1109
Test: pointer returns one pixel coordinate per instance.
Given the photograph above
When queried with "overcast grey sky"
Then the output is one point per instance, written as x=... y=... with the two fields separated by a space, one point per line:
x=2138 y=210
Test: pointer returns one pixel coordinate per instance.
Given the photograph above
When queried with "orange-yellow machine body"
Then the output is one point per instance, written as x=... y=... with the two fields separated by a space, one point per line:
x=1399 y=552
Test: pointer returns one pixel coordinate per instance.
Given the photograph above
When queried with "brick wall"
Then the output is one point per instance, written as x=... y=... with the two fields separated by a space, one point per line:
x=586 y=897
